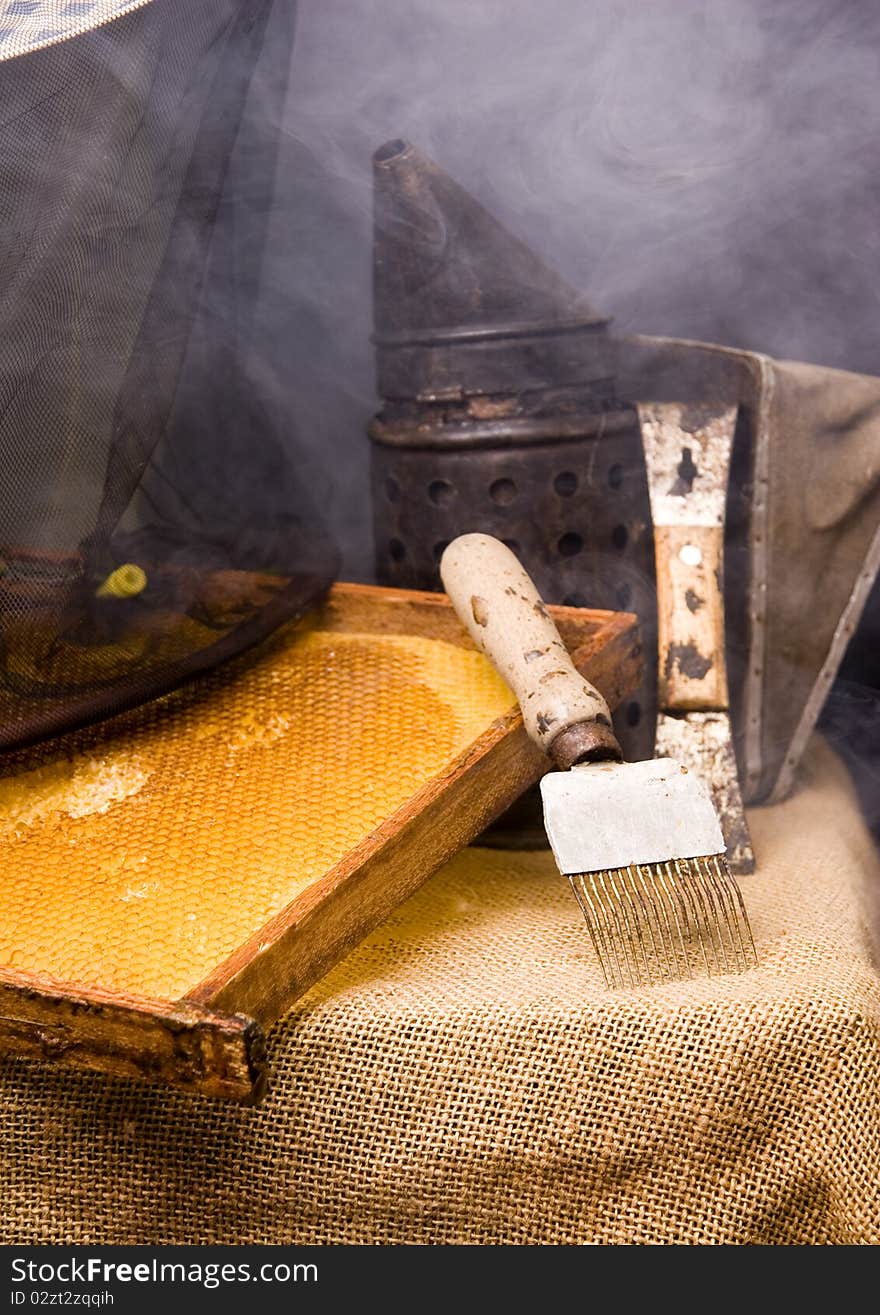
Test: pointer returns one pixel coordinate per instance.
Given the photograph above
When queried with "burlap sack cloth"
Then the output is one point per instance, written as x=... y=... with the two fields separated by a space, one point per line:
x=465 y=1077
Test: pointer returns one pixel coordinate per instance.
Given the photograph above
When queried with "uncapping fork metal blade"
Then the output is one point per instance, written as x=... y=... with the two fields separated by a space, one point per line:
x=639 y=842
x=687 y=453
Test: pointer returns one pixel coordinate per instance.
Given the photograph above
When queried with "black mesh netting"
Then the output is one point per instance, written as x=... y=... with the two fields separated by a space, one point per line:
x=151 y=520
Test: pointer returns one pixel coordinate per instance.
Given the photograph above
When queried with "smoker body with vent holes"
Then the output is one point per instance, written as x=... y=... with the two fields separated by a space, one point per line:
x=500 y=414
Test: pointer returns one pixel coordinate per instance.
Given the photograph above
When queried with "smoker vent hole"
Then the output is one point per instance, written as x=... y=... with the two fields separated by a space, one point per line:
x=620 y=537
x=570 y=544
x=565 y=483
x=615 y=477
x=397 y=550
x=439 y=549
x=624 y=595
x=633 y=714
x=502 y=491
x=512 y=544
x=574 y=600
x=441 y=492
x=392 y=489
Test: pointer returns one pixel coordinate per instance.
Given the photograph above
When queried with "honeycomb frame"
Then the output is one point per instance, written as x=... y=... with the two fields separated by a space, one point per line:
x=202 y=1029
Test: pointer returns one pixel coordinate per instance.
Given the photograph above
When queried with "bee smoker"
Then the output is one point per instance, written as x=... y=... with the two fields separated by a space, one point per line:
x=499 y=412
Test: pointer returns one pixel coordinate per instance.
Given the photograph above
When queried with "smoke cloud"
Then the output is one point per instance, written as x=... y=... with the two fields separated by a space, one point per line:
x=698 y=169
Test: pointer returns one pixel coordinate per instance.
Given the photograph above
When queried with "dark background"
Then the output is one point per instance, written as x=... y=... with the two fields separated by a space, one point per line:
x=705 y=170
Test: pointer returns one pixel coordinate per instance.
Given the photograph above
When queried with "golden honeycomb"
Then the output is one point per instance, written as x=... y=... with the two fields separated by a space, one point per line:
x=142 y=856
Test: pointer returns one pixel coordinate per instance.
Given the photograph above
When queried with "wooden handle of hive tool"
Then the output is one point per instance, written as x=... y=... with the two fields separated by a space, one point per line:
x=690 y=614
x=498 y=603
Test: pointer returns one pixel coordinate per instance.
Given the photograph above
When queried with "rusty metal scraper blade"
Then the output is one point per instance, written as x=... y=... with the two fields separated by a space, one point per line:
x=687 y=454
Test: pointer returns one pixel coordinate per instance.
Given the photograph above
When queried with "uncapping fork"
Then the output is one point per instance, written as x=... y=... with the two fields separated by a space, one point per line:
x=639 y=842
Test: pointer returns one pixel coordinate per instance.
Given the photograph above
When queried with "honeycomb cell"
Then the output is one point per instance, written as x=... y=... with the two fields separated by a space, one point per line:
x=138 y=860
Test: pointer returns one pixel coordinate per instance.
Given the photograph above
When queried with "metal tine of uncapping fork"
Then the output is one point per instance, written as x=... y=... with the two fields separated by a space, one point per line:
x=647 y=939
x=657 y=902
x=604 y=949
x=718 y=872
x=635 y=940
x=669 y=887
x=615 y=960
x=700 y=924
x=726 y=912
x=709 y=915
x=618 y=931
